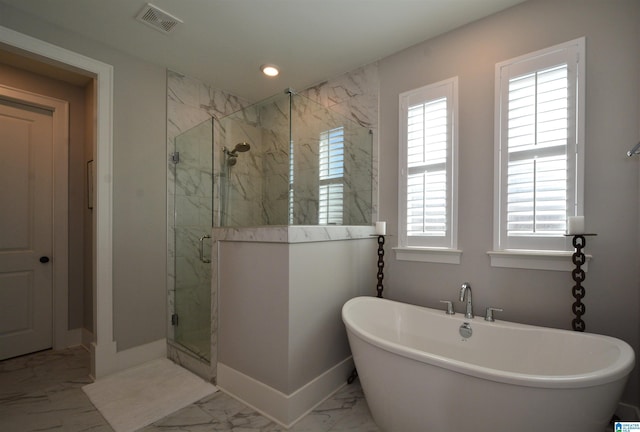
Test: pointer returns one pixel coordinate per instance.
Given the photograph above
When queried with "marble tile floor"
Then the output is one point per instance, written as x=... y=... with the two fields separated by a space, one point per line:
x=43 y=391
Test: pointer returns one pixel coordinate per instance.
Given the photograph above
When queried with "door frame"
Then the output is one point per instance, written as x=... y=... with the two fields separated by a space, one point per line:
x=62 y=337
x=103 y=348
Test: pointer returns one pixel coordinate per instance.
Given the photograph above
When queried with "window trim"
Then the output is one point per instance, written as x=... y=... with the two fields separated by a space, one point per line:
x=516 y=257
x=441 y=252
x=428 y=254
x=536 y=260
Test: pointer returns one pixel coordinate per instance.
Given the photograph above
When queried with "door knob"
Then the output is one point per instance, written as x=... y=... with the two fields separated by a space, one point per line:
x=44 y=259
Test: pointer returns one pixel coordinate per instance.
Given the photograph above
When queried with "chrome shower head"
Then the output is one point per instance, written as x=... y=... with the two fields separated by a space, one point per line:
x=241 y=147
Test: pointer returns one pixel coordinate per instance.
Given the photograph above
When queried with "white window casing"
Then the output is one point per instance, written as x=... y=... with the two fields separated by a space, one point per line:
x=539 y=153
x=428 y=173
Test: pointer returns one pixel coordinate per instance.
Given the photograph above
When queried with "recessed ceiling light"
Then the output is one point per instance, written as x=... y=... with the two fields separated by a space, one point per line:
x=270 y=70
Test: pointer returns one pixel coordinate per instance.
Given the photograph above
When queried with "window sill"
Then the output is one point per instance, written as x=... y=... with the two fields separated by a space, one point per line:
x=535 y=260
x=433 y=255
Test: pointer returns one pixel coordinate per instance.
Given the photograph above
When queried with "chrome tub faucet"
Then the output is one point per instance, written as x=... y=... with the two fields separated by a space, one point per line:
x=466 y=290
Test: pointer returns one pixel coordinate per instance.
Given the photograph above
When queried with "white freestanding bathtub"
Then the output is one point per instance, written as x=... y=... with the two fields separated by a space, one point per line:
x=420 y=375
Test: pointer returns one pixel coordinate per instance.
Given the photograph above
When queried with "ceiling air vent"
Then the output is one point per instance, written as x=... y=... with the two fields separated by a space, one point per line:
x=158 y=19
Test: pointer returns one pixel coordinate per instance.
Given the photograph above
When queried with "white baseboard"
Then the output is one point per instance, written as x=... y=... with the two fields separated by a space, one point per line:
x=279 y=407
x=107 y=360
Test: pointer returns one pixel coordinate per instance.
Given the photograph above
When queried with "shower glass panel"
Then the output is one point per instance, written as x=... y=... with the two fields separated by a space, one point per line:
x=193 y=220
x=299 y=164
x=331 y=167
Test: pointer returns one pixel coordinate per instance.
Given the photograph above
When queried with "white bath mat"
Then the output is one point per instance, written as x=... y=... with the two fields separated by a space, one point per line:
x=136 y=397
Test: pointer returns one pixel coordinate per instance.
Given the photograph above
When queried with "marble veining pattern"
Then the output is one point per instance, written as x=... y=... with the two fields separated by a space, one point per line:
x=43 y=391
x=355 y=95
x=293 y=233
x=285 y=133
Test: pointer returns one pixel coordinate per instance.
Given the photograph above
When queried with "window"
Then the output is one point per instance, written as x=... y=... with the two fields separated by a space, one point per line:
x=428 y=147
x=539 y=148
x=330 y=206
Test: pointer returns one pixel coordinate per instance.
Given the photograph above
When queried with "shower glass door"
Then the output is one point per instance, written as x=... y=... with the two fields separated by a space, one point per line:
x=193 y=197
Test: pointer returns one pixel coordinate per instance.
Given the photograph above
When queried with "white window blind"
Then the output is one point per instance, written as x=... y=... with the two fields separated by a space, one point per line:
x=331 y=176
x=330 y=208
x=538 y=180
x=427 y=169
x=538 y=124
x=427 y=149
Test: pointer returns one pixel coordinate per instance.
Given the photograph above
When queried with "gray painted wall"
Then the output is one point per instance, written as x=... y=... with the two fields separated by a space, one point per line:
x=139 y=181
x=322 y=277
x=612 y=31
x=253 y=320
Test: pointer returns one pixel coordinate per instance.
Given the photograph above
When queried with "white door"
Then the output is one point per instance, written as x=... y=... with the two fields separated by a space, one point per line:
x=26 y=190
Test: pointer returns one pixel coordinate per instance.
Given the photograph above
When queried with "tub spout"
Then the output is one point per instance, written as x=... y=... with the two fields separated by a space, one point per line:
x=466 y=290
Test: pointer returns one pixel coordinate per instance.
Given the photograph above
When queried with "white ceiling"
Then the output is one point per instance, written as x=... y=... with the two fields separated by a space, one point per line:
x=224 y=42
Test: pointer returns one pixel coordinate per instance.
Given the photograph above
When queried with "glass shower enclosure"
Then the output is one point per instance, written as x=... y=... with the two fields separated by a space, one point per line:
x=299 y=164
x=283 y=161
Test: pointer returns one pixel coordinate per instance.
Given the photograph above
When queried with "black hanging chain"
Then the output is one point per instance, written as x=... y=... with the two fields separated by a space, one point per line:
x=380 y=276
x=578 y=275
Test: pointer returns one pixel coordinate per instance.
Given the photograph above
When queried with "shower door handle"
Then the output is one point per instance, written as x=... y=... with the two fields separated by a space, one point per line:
x=202 y=258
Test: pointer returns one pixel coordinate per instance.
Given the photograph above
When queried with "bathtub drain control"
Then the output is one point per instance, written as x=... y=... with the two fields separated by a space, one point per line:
x=465 y=330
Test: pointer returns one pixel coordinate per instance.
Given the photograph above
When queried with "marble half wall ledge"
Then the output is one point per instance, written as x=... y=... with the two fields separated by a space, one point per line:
x=294 y=233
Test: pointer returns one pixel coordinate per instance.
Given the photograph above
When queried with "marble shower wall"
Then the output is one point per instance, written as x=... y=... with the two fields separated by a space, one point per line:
x=244 y=184
x=309 y=121
x=274 y=116
x=273 y=124
x=355 y=95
